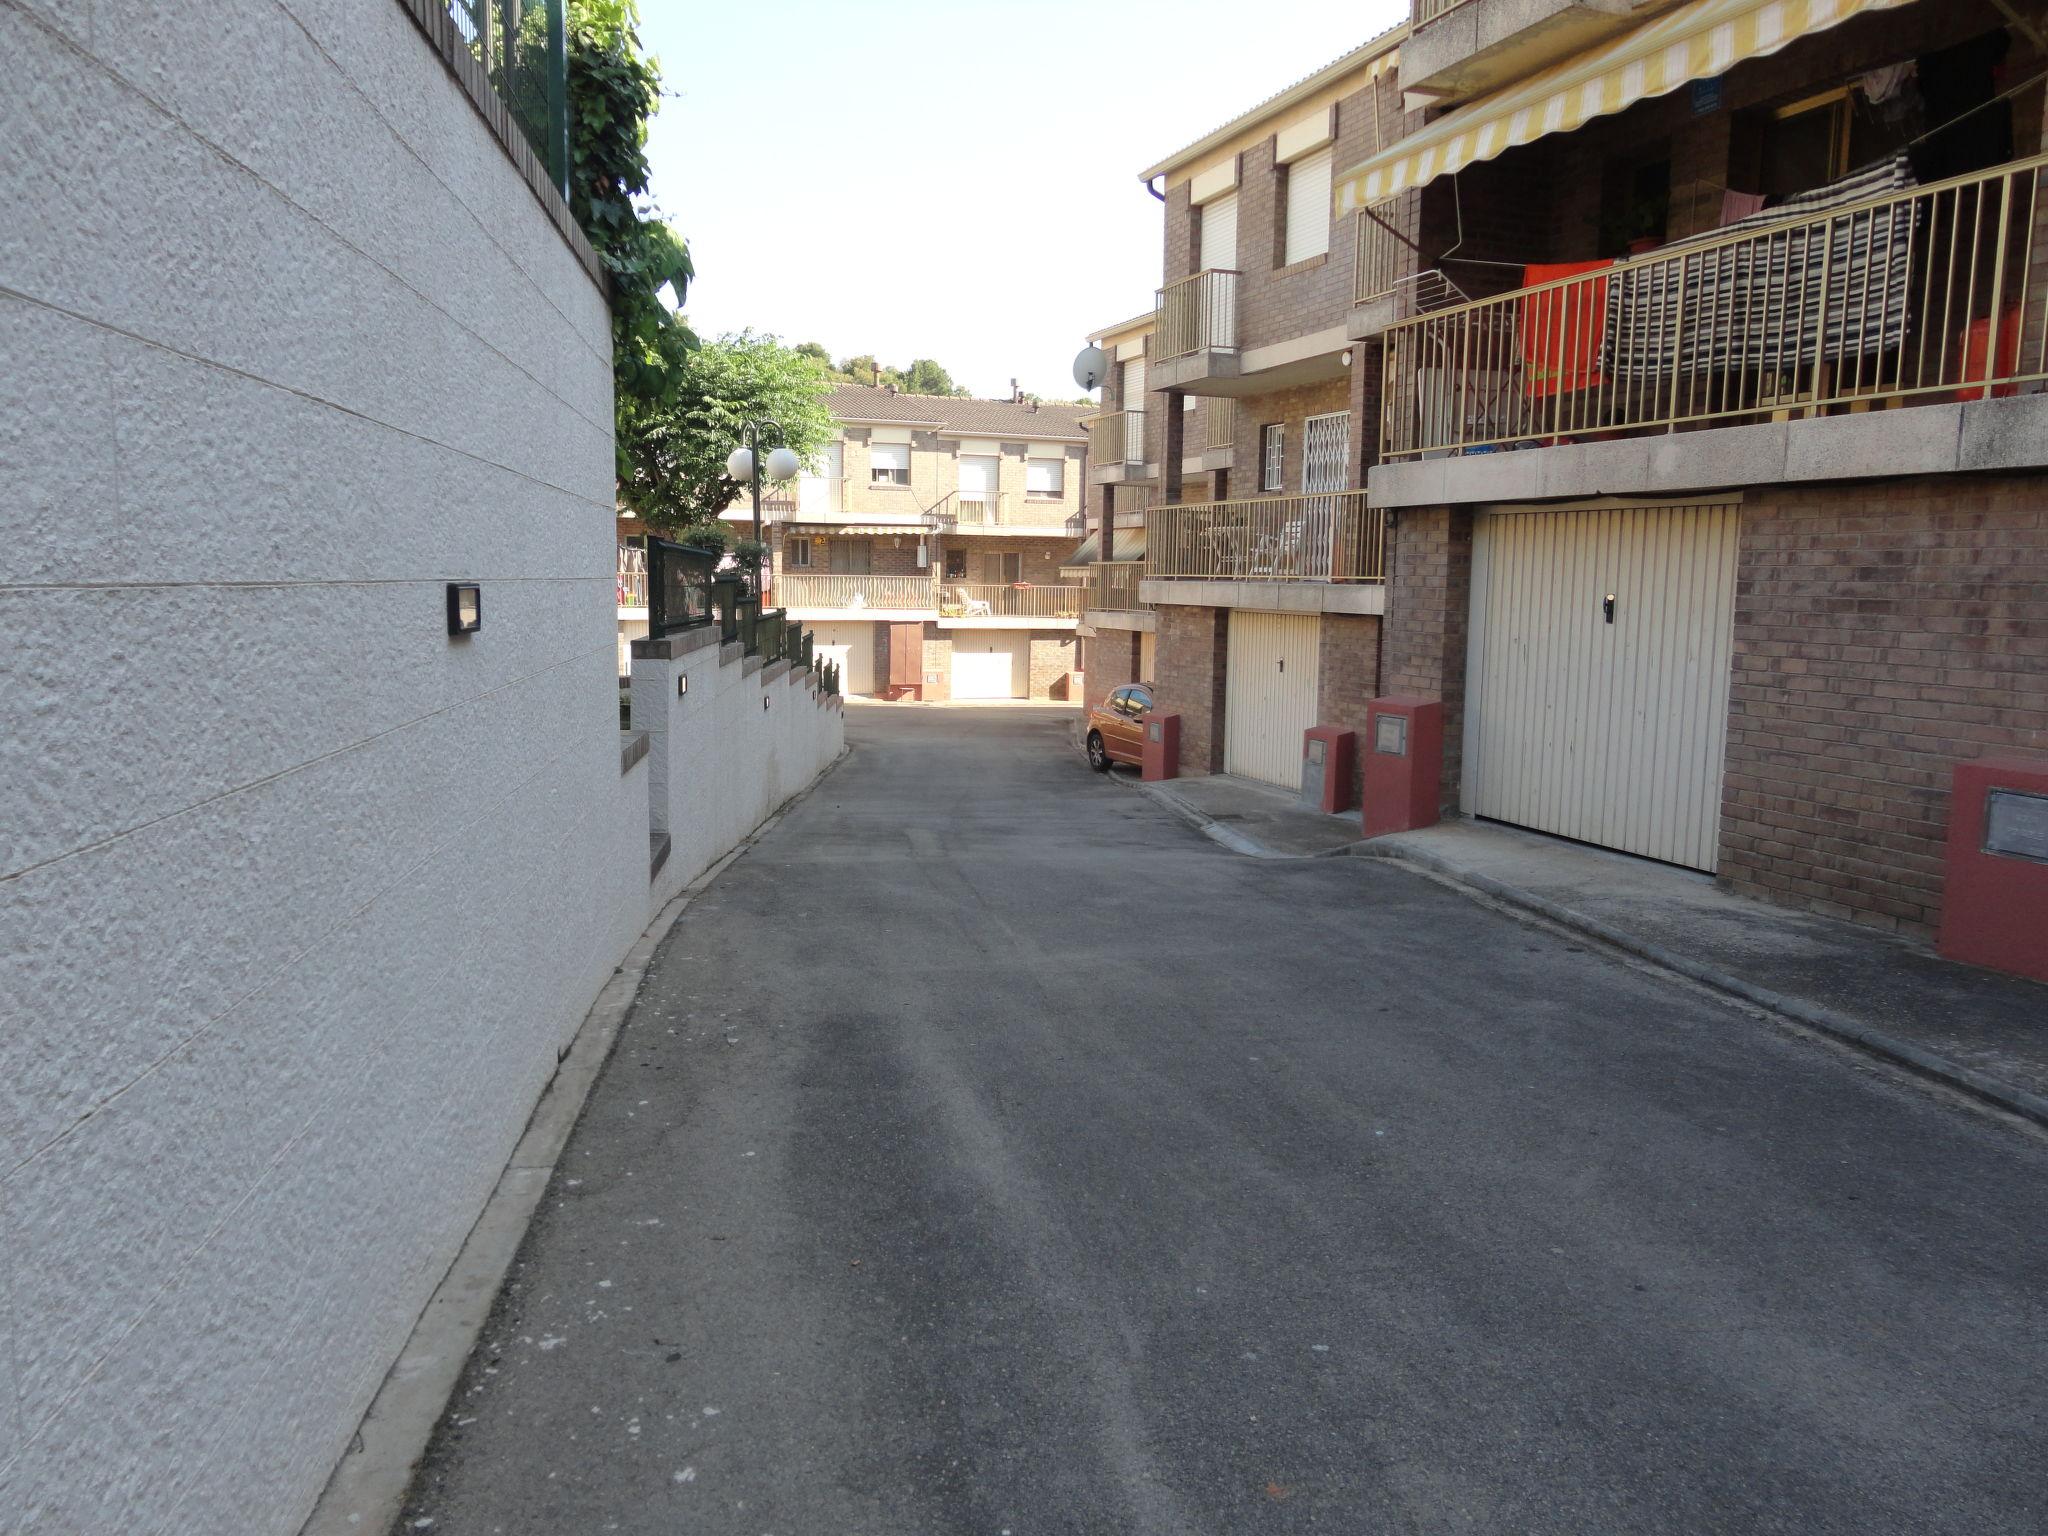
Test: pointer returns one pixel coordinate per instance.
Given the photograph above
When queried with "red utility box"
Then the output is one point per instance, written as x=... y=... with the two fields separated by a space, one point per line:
x=1160 y=756
x=1402 y=764
x=1995 y=907
x=1328 y=754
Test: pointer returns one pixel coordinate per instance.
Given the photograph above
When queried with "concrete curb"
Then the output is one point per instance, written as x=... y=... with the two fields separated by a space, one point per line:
x=366 y=1491
x=1838 y=1026
x=1214 y=830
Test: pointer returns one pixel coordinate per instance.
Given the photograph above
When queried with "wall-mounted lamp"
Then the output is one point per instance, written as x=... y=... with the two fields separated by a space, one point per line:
x=764 y=701
x=465 y=607
x=682 y=684
x=1346 y=359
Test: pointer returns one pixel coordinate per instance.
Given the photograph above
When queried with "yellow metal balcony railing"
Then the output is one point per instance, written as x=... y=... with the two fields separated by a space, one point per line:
x=1117 y=437
x=1378 y=253
x=1023 y=600
x=1197 y=314
x=1113 y=585
x=1329 y=536
x=1915 y=297
x=1219 y=423
x=804 y=589
x=1429 y=10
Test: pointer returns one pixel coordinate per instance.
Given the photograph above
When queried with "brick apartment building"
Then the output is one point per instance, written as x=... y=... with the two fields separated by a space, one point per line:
x=925 y=553
x=1695 y=388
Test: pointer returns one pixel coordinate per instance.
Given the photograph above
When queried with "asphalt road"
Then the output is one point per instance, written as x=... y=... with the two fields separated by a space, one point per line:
x=990 y=1153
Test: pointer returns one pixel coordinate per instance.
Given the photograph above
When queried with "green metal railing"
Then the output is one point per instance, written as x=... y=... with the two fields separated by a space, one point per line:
x=523 y=46
x=679 y=586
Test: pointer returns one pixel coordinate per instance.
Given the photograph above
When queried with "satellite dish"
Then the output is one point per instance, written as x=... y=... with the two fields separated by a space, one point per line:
x=1090 y=367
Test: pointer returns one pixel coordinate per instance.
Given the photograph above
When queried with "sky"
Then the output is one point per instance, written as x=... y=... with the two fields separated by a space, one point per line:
x=959 y=181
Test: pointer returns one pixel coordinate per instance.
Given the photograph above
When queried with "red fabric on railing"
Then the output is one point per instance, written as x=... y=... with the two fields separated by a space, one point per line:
x=1564 y=330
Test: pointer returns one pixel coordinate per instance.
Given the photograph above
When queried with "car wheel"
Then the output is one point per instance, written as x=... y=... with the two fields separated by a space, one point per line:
x=1098 y=755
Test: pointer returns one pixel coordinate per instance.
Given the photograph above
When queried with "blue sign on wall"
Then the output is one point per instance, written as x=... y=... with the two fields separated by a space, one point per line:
x=1706 y=96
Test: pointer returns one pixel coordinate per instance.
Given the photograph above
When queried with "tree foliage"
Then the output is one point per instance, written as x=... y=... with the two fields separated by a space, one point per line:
x=613 y=90
x=675 y=450
x=922 y=377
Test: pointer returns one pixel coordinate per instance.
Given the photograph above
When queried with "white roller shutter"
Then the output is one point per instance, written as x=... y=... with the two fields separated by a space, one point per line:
x=1269 y=694
x=1308 y=205
x=852 y=645
x=1219 y=234
x=1608 y=732
x=991 y=664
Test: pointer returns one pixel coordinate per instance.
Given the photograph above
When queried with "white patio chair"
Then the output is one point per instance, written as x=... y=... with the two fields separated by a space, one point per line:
x=976 y=607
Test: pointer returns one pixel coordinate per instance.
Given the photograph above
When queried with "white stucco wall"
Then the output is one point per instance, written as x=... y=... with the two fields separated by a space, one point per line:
x=298 y=896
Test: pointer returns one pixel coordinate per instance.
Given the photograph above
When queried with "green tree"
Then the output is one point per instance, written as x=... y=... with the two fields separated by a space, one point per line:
x=676 y=449
x=925 y=377
x=613 y=90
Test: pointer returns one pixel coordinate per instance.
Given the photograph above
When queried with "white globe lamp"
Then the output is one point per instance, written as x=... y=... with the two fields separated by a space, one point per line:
x=739 y=464
x=783 y=465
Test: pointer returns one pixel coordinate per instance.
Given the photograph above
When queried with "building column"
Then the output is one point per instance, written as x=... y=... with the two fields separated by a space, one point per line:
x=1174 y=448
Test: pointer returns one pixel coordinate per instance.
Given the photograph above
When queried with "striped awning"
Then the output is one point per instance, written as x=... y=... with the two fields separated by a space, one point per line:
x=1129 y=544
x=1695 y=42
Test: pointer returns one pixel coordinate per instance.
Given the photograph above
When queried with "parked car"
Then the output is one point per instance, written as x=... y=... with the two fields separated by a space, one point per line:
x=1116 y=727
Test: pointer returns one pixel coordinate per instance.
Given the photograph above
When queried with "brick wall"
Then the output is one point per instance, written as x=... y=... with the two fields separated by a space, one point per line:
x=1428 y=606
x=1276 y=301
x=1347 y=673
x=1881 y=633
x=1292 y=407
x=938 y=663
x=1190 y=660
x=1052 y=663
x=1110 y=659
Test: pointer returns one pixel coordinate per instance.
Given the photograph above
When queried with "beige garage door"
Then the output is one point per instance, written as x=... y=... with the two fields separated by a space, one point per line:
x=1605 y=723
x=852 y=645
x=1148 y=657
x=991 y=664
x=1270 y=694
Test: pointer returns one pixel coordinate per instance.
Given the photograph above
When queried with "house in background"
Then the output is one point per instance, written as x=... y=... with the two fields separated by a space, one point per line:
x=925 y=553
x=1118 y=630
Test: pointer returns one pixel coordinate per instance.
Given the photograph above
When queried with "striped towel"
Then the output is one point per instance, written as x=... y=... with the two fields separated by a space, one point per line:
x=1756 y=305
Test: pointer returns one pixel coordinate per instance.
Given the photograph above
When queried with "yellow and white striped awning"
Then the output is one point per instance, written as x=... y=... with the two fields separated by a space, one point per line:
x=1694 y=42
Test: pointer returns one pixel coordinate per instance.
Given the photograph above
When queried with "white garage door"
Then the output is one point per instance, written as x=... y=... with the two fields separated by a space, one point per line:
x=1605 y=723
x=1270 y=694
x=852 y=645
x=991 y=664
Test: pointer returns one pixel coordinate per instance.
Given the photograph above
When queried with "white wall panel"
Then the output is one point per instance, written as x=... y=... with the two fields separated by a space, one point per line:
x=1269 y=693
x=1611 y=733
x=299 y=898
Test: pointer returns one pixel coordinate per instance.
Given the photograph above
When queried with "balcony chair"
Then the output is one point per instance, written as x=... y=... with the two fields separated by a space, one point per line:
x=974 y=607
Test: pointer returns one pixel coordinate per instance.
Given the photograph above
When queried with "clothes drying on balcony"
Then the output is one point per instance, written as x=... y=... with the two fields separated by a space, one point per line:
x=1756 y=303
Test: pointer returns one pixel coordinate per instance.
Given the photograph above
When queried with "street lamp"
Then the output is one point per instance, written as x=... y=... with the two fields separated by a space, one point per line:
x=744 y=463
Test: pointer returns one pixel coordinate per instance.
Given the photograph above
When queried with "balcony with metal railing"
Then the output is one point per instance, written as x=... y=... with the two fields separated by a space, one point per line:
x=811 y=594
x=1330 y=536
x=1195 y=335
x=969 y=512
x=969 y=604
x=1116 y=446
x=1112 y=587
x=1931 y=295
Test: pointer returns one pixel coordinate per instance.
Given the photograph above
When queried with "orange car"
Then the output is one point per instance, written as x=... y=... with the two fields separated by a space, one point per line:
x=1116 y=727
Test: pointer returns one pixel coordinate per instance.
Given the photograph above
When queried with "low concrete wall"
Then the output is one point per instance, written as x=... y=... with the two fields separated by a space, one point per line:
x=727 y=748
